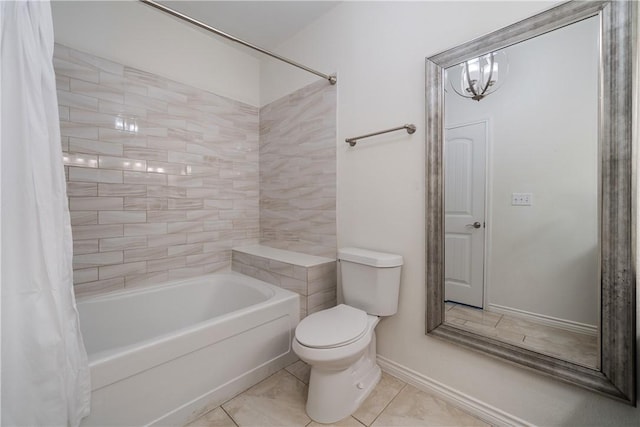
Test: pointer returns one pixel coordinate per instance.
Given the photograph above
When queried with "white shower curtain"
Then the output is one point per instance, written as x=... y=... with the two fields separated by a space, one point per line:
x=45 y=374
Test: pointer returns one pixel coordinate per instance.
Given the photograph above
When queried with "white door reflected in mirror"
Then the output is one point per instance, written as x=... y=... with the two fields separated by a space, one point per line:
x=464 y=157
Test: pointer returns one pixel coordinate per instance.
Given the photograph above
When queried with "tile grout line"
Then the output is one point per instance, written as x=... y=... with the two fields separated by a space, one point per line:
x=229 y=415
x=243 y=391
x=294 y=375
x=387 y=405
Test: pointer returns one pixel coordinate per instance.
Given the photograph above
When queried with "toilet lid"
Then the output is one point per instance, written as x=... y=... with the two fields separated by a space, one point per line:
x=333 y=327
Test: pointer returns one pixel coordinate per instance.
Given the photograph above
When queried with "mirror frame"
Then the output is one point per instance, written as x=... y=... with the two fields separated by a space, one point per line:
x=616 y=377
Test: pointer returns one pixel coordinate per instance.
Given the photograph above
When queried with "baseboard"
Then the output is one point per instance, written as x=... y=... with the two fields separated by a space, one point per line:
x=567 y=325
x=475 y=407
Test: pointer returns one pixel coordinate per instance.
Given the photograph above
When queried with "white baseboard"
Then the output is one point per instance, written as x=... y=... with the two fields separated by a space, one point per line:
x=475 y=407
x=567 y=325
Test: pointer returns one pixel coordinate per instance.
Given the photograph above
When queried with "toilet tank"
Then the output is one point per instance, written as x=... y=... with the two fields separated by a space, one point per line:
x=370 y=280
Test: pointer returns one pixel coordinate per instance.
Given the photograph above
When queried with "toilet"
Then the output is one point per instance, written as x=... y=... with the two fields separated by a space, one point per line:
x=339 y=343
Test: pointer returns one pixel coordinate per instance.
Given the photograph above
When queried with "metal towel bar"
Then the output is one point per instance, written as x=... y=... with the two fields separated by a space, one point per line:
x=411 y=128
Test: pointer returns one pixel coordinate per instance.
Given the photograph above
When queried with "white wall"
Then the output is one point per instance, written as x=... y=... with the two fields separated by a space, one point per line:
x=131 y=33
x=543 y=139
x=378 y=50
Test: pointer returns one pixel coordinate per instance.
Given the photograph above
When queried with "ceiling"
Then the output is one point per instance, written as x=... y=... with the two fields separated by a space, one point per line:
x=263 y=23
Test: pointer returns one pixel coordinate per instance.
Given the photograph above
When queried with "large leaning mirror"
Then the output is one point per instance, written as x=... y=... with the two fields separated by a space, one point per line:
x=529 y=195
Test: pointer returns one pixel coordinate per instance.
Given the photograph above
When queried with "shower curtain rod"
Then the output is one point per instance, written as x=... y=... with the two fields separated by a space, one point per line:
x=163 y=8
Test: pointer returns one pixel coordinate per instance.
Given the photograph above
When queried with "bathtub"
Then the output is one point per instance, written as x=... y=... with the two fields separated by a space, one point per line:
x=163 y=355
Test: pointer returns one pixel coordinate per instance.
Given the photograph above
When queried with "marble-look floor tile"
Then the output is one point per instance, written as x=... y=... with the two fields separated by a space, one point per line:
x=215 y=418
x=300 y=370
x=347 y=422
x=277 y=401
x=414 y=408
x=476 y=315
x=490 y=331
x=380 y=397
x=568 y=345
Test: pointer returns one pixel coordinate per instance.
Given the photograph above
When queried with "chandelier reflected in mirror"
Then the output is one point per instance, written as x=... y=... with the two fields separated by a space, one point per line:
x=479 y=77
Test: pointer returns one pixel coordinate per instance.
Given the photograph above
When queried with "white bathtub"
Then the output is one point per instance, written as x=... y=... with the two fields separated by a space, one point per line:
x=163 y=355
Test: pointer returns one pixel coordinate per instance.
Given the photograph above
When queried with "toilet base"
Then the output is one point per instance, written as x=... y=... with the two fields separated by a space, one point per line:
x=334 y=395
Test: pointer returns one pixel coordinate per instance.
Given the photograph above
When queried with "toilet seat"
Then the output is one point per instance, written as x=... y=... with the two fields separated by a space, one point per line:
x=334 y=327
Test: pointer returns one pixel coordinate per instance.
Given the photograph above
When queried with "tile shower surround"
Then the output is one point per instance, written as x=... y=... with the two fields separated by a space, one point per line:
x=298 y=171
x=315 y=280
x=162 y=178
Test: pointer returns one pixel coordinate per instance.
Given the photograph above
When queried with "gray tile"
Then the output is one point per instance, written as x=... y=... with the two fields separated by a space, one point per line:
x=414 y=408
x=165 y=264
x=94 y=175
x=277 y=401
x=89 y=146
x=122 y=243
x=120 y=217
x=476 y=315
x=215 y=418
x=384 y=392
x=80 y=159
x=88 y=246
x=108 y=190
x=167 y=239
x=119 y=163
x=145 y=203
x=95 y=203
x=97 y=259
x=67 y=68
x=78 y=130
x=145 y=254
x=190 y=249
x=300 y=370
x=85 y=275
x=77 y=100
x=147 y=279
x=121 y=270
x=90 y=117
x=144 y=229
x=97 y=91
x=83 y=217
x=133 y=177
x=347 y=422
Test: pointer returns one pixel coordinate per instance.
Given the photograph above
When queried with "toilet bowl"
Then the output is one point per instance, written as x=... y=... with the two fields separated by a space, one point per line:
x=342 y=360
x=339 y=343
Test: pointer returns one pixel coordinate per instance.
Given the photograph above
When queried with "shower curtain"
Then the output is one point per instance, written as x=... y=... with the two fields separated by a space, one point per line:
x=45 y=374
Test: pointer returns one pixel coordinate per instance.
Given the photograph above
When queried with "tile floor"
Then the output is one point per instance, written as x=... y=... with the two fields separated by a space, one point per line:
x=572 y=346
x=280 y=401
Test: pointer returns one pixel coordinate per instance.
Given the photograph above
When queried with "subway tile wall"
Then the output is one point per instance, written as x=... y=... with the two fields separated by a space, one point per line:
x=298 y=171
x=162 y=178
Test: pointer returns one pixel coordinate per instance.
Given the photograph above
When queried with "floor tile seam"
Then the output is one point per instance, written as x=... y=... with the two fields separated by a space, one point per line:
x=296 y=377
x=229 y=415
x=358 y=421
x=387 y=405
x=499 y=320
x=247 y=389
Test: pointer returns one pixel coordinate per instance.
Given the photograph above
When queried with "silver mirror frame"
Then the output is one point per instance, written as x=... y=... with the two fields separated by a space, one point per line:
x=616 y=377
